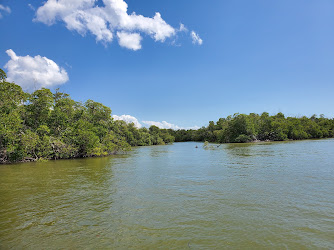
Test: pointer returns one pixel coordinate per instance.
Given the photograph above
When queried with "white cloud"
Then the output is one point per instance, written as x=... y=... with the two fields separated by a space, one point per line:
x=31 y=7
x=196 y=38
x=164 y=125
x=4 y=9
x=85 y=16
x=183 y=28
x=128 y=119
x=167 y=125
x=34 y=72
x=129 y=40
x=193 y=128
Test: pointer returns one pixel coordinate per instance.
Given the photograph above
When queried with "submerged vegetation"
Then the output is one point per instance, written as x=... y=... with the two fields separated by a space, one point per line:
x=45 y=125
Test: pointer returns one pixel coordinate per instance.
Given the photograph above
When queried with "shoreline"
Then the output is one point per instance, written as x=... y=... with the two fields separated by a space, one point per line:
x=30 y=160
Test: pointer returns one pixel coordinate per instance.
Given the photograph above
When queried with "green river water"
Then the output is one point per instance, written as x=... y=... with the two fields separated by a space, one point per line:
x=236 y=196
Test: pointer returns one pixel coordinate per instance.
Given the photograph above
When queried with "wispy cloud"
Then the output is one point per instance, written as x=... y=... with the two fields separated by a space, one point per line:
x=31 y=7
x=34 y=72
x=196 y=38
x=104 y=22
x=4 y=9
x=183 y=28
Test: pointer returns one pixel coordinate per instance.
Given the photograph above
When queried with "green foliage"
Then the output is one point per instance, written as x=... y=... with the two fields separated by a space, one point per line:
x=39 y=108
x=11 y=97
x=96 y=112
x=254 y=127
x=29 y=141
x=3 y=76
x=243 y=138
x=45 y=125
x=11 y=100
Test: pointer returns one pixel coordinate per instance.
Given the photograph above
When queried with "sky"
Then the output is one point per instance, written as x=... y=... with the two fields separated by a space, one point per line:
x=175 y=64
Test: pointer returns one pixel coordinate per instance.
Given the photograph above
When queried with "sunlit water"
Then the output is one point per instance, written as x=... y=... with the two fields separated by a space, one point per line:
x=236 y=196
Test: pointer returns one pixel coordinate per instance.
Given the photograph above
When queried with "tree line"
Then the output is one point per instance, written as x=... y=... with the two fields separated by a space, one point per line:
x=44 y=125
x=255 y=127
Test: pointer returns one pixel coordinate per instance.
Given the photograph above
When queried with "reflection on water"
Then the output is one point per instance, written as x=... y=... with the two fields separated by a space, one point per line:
x=254 y=196
x=239 y=150
x=159 y=151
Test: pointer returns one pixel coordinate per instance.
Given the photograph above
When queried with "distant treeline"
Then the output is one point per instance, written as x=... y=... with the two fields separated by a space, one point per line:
x=254 y=127
x=45 y=125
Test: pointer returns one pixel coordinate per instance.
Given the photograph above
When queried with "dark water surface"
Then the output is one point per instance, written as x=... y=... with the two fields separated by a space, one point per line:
x=237 y=196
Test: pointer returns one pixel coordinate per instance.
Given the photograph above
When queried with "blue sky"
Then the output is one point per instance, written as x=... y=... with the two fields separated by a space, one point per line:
x=255 y=56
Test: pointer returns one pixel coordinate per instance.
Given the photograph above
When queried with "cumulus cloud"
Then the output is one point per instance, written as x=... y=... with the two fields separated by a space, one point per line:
x=34 y=72
x=162 y=124
x=4 y=9
x=128 y=119
x=85 y=16
x=103 y=22
x=166 y=125
x=129 y=40
x=196 y=38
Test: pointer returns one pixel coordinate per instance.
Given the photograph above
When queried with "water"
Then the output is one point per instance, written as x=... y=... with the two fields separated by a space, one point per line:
x=251 y=196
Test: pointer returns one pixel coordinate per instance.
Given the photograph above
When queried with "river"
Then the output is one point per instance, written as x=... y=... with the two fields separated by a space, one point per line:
x=236 y=196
